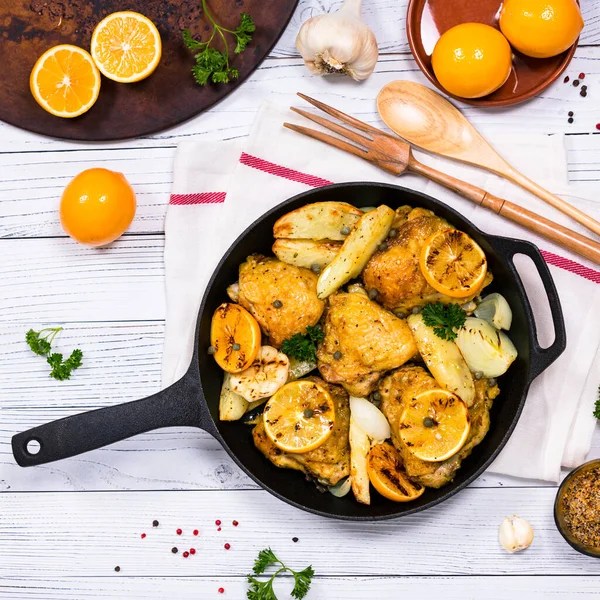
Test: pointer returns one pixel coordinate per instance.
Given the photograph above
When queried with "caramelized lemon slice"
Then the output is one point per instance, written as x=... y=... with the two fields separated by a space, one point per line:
x=387 y=475
x=453 y=264
x=235 y=337
x=65 y=81
x=300 y=416
x=126 y=46
x=435 y=425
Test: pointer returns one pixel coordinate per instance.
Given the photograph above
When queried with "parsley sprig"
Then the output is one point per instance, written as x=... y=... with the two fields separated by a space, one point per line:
x=444 y=318
x=304 y=346
x=212 y=64
x=40 y=343
x=263 y=590
x=597 y=406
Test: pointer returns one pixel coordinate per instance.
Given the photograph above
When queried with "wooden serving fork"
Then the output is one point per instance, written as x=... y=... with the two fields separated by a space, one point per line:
x=395 y=156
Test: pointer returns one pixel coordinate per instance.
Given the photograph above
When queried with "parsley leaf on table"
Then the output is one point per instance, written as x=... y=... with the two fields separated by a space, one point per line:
x=597 y=406
x=444 y=318
x=212 y=64
x=303 y=346
x=40 y=342
x=263 y=590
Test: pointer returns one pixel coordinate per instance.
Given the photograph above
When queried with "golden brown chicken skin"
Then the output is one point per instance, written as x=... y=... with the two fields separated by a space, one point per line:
x=328 y=463
x=395 y=272
x=405 y=383
x=362 y=341
x=281 y=297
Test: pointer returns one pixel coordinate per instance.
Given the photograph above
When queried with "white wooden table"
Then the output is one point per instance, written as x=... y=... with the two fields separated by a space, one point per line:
x=65 y=526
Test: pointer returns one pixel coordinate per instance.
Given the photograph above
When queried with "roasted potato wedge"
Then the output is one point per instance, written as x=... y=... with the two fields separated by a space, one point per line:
x=359 y=451
x=318 y=221
x=306 y=253
x=360 y=245
x=231 y=405
x=444 y=360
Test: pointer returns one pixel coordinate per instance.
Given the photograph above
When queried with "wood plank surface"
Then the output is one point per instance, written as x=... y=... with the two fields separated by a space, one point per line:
x=94 y=531
x=188 y=587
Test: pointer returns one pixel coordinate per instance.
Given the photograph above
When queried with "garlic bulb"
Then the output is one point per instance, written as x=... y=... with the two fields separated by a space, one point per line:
x=339 y=42
x=515 y=534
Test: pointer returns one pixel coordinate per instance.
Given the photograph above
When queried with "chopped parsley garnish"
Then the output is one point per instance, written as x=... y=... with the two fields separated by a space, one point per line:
x=212 y=64
x=444 y=318
x=597 y=406
x=263 y=590
x=304 y=346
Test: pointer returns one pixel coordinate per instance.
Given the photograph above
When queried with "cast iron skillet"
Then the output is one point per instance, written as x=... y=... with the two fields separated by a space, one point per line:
x=194 y=399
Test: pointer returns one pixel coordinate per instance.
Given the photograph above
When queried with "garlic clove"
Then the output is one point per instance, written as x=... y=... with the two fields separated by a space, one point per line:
x=339 y=42
x=515 y=534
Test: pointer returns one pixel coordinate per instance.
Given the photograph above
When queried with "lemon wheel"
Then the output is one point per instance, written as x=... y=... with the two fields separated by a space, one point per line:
x=388 y=477
x=300 y=416
x=234 y=337
x=435 y=425
x=126 y=46
x=453 y=264
x=65 y=81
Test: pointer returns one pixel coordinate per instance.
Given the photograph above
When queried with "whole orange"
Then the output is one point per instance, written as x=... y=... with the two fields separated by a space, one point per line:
x=472 y=60
x=97 y=207
x=541 y=28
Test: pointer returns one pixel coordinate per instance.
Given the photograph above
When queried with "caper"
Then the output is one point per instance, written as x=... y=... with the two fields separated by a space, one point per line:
x=382 y=247
x=345 y=230
x=416 y=310
x=491 y=382
x=376 y=396
x=315 y=268
x=308 y=413
x=478 y=375
x=236 y=347
x=211 y=350
x=277 y=303
x=337 y=355
x=373 y=293
x=393 y=233
x=428 y=422
x=400 y=314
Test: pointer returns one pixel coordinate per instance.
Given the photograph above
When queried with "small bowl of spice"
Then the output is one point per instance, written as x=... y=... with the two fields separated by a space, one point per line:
x=577 y=508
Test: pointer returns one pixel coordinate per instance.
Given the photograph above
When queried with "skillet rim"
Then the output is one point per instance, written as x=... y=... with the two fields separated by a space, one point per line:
x=495 y=241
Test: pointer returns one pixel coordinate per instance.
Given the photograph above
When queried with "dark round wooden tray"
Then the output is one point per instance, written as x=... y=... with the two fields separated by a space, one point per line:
x=166 y=98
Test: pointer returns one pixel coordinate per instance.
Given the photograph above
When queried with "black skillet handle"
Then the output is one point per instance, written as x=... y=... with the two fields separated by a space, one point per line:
x=180 y=404
x=540 y=358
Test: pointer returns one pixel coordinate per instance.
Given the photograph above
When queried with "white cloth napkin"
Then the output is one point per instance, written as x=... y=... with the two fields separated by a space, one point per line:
x=221 y=187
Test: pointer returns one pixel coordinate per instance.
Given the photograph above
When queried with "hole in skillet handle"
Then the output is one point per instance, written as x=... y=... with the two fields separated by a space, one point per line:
x=539 y=358
x=33 y=447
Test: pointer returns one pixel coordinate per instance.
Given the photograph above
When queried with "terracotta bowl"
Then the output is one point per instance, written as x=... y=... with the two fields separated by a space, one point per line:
x=427 y=20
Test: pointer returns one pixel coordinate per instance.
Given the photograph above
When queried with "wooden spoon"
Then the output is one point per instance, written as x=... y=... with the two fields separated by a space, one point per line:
x=428 y=121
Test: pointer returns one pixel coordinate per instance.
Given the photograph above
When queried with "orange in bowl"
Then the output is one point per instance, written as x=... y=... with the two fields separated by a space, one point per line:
x=97 y=207
x=541 y=28
x=472 y=60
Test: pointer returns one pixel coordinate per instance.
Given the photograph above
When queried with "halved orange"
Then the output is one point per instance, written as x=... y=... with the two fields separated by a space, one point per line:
x=234 y=337
x=300 y=416
x=387 y=475
x=126 y=46
x=434 y=425
x=453 y=264
x=65 y=81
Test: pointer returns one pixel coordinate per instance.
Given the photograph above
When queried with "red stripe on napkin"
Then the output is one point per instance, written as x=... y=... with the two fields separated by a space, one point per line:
x=291 y=174
x=204 y=198
x=570 y=265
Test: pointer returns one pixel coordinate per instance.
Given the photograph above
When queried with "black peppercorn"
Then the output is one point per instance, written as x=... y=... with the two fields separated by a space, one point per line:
x=575 y=82
x=117 y=569
x=155 y=523
x=174 y=550
x=294 y=539
x=571 y=113
x=583 y=93
x=570 y=120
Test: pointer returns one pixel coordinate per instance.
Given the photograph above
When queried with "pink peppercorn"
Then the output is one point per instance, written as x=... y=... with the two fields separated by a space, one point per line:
x=179 y=532
x=227 y=546
x=192 y=550
x=143 y=535
x=217 y=522
x=196 y=532
x=581 y=75
x=221 y=590
x=186 y=554
x=218 y=529
x=235 y=523
x=598 y=126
